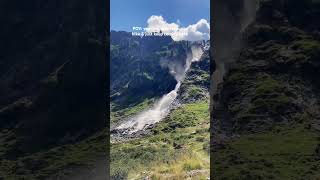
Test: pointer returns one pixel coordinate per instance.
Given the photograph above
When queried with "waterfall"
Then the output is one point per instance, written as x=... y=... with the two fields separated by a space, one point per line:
x=231 y=19
x=162 y=107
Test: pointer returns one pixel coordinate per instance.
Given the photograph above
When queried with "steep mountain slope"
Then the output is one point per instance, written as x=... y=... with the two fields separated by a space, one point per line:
x=177 y=146
x=196 y=84
x=52 y=83
x=135 y=68
x=266 y=112
x=141 y=71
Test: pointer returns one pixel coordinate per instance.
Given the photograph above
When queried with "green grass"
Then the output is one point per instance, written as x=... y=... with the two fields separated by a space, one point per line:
x=7 y=141
x=178 y=146
x=204 y=77
x=130 y=111
x=46 y=163
x=273 y=105
x=308 y=47
x=194 y=90
x=267 y=85
x=187 y=116
x=269 y=96
x=285 y=153
x=237 y=76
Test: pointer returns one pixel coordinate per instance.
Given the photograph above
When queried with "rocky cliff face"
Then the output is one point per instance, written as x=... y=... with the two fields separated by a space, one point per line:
x=52 y=74
x=137 y=67
x=143 y=68
x=270 y=94
x=195 y=86
x=278 y=56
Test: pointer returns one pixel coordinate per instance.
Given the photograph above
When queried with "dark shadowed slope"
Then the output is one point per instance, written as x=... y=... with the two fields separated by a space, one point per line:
x=52 y=81
x=266 y=117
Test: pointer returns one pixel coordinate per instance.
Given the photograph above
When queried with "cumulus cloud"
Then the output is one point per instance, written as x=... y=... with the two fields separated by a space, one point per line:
x=194 y=32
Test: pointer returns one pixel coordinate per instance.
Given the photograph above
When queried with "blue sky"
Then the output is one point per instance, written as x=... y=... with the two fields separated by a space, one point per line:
x=124 y=14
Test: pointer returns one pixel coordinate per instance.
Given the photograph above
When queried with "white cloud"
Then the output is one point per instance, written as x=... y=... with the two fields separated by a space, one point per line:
x=178 y=22
x=194 y=32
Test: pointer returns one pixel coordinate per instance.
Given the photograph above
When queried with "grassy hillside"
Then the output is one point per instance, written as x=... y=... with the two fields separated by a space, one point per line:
x=266 y=112
x=177 y=149
x=286 y=152
x=58 y=162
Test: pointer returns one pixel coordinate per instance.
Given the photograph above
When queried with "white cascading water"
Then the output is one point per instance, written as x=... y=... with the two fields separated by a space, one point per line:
x=162 y=107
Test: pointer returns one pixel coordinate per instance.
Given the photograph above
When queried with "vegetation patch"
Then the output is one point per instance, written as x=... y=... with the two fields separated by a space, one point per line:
x=130 y=111
x=47 y=163
x=269 y=96
x=308 y=46
x=284 y=153
x=176 y=150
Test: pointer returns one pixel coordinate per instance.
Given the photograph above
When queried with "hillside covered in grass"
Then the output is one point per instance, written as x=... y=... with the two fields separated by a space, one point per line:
x=266 y=111
x=177 y=149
